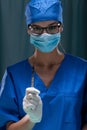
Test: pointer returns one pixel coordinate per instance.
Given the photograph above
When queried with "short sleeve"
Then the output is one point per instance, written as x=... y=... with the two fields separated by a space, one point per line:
x=8 y=100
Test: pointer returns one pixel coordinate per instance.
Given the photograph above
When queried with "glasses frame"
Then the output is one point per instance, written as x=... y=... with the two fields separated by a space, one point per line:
x=30 y=27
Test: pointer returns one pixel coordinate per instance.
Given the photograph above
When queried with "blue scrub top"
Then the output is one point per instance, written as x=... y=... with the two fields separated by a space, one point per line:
x=64 y=102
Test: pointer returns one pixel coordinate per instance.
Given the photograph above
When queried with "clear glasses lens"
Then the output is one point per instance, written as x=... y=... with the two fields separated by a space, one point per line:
x=52 y=29
x=35 y=29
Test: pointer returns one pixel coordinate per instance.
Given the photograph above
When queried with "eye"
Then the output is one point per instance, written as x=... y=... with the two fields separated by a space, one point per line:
x=36 y=28
x=53 y=27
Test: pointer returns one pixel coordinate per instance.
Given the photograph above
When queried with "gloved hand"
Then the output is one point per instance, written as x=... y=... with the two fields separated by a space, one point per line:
x=32 y=104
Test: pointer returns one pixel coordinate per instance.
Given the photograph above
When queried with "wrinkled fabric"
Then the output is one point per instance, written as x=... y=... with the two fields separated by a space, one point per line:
x=43 y=10
x=46 y=42
x=63 y=101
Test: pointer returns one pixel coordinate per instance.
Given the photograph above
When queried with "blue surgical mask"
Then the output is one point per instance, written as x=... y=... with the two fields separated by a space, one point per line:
x=46 y=42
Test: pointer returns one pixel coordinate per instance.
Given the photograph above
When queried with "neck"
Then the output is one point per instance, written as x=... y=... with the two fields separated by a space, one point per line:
x=47 y=59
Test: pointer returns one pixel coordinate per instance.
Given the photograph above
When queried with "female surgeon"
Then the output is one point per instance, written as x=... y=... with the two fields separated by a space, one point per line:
x=47 y=91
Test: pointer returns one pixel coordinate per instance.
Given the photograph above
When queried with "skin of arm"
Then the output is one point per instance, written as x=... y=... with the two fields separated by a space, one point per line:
x=85 y=127
x=23 y=124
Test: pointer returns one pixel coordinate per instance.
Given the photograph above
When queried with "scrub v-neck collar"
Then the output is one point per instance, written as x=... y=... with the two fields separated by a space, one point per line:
x=41 y=85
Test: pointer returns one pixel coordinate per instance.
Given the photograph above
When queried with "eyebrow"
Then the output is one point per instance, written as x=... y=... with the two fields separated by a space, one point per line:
x=53 y=23
x=47 y=25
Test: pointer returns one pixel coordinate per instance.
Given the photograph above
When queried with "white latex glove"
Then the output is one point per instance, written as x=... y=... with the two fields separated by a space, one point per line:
x=32 y=104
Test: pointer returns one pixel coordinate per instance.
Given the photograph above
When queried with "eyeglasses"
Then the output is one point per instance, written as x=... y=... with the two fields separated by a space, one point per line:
x=38 y=30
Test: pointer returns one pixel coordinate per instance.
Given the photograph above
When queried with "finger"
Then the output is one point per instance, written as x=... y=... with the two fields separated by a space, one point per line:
x=32 y=91
x=33 y=102
x=28 y=105
x=37 y=98
x=29 y=96
x=25 y=104
x=34 y=97
x=31 y=107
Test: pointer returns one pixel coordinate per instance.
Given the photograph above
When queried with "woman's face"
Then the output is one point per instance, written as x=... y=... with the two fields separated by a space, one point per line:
x=43 y=35
x=50 y=27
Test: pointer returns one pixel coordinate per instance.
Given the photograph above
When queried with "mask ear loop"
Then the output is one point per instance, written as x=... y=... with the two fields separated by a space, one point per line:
x=32 y=80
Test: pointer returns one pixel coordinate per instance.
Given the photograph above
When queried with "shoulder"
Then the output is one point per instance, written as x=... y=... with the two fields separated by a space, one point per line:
x=75 y=62
x=19 y=65
x=17 y=74
x=19 y=69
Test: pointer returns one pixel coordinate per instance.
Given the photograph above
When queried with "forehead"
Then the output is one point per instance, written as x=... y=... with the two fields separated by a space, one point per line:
x=44 y=23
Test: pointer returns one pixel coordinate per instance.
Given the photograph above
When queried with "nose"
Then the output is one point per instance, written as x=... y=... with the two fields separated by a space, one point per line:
x=44 y=30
